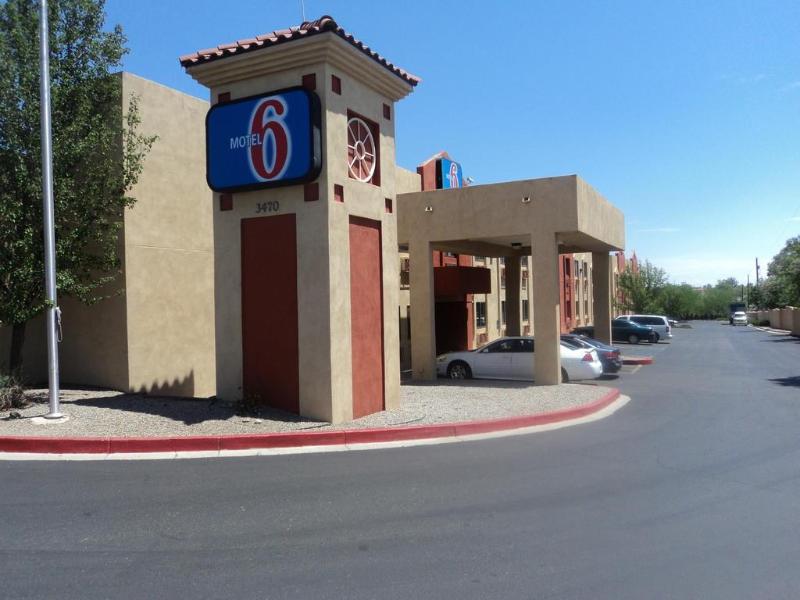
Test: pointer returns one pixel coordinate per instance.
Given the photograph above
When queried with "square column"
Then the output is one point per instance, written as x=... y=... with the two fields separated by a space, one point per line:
x=601 y=296
x=423 y=323
x=513 y=307
x=546 y=310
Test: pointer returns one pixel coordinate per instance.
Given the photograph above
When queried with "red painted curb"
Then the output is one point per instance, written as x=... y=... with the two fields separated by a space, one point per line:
x=53 y=445
x=639 y=360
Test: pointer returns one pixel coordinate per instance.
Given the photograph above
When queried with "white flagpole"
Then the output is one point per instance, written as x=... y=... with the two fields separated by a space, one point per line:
x=47 y=200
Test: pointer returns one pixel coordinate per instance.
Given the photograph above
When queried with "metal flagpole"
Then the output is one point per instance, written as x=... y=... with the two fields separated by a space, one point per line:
x=47 y=200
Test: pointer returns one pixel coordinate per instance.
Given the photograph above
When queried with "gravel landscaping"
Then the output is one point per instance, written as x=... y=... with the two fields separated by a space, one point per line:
x=100 y=413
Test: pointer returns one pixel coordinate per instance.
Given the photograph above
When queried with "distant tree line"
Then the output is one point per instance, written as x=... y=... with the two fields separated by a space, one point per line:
x=646 y=290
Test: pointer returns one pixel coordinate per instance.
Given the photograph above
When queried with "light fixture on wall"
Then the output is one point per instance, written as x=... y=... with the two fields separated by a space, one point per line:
x=428 y=208
x=516 y=244
x=526 y=199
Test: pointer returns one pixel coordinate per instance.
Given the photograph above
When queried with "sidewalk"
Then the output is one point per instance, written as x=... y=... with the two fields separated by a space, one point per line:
x=103 y=421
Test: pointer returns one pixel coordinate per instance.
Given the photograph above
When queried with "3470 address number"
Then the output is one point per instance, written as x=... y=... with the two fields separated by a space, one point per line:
x=268 y=207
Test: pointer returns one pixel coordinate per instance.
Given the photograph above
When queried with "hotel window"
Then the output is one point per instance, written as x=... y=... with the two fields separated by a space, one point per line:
x=480 y=314
x=525 y=308
x=503 y=310
x=503 y=277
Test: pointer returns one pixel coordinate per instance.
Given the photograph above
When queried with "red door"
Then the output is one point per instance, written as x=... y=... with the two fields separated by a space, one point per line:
x=269 y=311
x=366 y=305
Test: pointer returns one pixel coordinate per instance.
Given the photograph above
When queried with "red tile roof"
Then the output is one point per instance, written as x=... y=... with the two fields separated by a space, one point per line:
x=280 y=36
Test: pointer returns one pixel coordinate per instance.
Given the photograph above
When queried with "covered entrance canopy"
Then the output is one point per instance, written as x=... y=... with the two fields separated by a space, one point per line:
x=538 y=217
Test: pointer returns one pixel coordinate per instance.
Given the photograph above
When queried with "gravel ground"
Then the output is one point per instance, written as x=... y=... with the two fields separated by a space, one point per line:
x=97 y=413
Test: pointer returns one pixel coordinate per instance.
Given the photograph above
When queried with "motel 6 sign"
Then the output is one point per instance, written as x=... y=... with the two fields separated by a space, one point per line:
x=448 y=174
x=263 y=141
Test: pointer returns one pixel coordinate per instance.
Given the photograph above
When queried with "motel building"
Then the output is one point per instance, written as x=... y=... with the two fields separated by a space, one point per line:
x=277 y=252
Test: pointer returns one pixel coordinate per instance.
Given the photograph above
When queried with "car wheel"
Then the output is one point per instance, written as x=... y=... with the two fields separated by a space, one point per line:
x=564 y=376
x=633 y=338
x=459 y=370
x=657 y=337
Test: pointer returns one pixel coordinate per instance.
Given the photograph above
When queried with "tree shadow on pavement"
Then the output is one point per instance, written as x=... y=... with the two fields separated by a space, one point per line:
x=783 y=339
x=189 y=411
x=788 y=381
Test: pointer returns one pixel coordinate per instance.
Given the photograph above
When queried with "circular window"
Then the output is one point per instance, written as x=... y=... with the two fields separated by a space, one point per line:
x=361 y=155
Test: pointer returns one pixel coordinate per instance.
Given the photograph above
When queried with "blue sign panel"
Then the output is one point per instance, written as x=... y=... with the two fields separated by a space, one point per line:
x=448 y=174
x=263 y=141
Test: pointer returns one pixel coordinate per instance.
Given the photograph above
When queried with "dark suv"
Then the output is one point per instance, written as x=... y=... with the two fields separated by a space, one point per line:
x=623 y=331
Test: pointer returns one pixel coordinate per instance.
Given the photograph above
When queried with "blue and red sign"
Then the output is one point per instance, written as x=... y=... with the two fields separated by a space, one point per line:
x=263 y=141
x=448 y=174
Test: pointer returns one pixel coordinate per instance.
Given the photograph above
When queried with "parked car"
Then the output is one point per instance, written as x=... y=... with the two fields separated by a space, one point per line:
x=512 y=358
x=660 y=324
x=623 y=331
x=739 y=318
x=609 y=356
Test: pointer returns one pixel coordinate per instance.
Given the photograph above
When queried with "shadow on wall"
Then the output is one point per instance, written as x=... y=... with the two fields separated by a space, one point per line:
x=183 y=388
x=788 y=381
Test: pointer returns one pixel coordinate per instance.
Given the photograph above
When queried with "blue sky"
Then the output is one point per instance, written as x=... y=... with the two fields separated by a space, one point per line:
x=686 y=115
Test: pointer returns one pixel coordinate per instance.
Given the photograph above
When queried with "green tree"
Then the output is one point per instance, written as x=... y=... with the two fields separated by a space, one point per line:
x=782 y=287
x=641 y=287
x=97 y=156
x=679 y=301
x=716 y=300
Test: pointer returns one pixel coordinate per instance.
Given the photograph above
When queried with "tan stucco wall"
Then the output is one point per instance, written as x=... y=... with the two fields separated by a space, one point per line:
x=169 y=250
x=406 y=181
x=323 y=257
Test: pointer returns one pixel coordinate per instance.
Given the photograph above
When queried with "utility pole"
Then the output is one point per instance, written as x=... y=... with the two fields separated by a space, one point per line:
x=48 y=210
x=757 y=270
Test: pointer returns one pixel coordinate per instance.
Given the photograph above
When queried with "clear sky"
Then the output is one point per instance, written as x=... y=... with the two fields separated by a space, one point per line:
x=684 y=114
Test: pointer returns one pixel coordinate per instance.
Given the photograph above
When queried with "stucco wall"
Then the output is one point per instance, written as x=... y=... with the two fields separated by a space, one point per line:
x=169 y=250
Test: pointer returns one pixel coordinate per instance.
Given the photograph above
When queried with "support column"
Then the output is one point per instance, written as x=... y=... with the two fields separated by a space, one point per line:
x=513 y=307
x=423 y=324
x=546 y=310
x=601 y=296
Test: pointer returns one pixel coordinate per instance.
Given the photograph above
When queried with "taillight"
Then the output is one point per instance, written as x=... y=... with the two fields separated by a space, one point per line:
x=588 y=357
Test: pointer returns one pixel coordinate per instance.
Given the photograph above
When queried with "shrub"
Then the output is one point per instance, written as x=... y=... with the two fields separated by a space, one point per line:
x=12 y=394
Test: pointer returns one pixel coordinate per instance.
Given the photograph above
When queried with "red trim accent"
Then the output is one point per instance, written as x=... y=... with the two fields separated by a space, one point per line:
x=336 y=85
x=223 y=97
x=270 y=343
x=387 y=202
x=310 y=81
x=387 y=112
x=285 y=440
x=366 y=318
x=311 y=192
x=225 y=202
x=338 y=193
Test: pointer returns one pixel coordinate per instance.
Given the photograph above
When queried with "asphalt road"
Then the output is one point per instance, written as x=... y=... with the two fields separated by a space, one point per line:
x=692 y=490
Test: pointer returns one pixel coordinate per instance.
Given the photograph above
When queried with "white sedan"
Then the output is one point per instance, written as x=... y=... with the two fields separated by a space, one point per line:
x=512 y=358
x=739 y=318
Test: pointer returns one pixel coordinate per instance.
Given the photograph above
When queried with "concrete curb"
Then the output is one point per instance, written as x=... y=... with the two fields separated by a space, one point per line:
x=773 y=331
x=637 y=360
x=316 y=439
